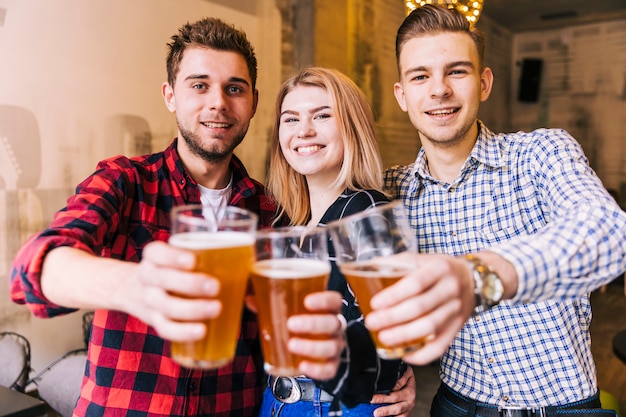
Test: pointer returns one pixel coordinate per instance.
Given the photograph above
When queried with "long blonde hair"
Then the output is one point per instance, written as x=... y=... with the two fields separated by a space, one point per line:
x=361 y=167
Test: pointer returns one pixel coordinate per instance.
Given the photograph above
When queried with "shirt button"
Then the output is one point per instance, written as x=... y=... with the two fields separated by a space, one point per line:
x=193 y=386
x=491 y=360
x=505 y=398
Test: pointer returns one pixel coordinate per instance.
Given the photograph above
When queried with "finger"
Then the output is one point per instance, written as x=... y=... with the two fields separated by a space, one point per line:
x=433 y=350
x=397 y=409
x=161 y=253
x=315 y=349
x=427 y=273
x=177 y=331
x=192 y=284
x=315 y=324
x=324 y=301
x=181 y=308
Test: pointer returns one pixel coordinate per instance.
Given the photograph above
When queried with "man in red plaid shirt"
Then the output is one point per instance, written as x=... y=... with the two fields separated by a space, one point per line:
x=107 y=251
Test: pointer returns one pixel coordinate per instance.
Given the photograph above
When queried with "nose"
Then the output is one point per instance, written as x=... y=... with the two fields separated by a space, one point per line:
x=440 y=87
x=217 y=100
x=305 y=129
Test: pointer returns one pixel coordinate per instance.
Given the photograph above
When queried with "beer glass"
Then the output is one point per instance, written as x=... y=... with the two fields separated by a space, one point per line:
x=290 y=263
x=366 y=247
x=224 y=249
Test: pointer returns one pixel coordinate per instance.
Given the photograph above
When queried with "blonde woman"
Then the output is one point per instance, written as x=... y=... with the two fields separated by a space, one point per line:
x=325 y=165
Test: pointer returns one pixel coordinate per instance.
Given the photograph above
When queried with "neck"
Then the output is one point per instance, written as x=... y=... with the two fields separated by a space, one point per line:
x=214 y=175
x=321 y=196
x=446 y=160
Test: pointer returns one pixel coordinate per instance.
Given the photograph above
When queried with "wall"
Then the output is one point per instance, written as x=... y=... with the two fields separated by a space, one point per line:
x=80 y=81
x=582 y=89
x=363 y=46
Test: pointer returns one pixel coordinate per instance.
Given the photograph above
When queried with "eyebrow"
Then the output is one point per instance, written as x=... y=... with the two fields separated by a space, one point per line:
x=313 y=110
x=448 y=66
x=206 y=77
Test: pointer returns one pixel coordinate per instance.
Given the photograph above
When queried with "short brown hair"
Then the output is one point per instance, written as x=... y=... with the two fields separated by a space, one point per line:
x=432 y=19
x=210 y=33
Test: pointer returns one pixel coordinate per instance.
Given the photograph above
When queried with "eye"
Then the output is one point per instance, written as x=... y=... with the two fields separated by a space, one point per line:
x=198 y=86
x=234 y=89
x=289 y=119
x=323 y=116
x=458 y=71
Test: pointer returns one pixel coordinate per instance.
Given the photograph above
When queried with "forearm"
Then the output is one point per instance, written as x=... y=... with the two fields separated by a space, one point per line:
x=74 y=278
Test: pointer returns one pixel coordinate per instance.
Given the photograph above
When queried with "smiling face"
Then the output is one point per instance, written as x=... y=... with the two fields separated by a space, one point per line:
x=214 y=101
x=309 y=134
x=441 y=87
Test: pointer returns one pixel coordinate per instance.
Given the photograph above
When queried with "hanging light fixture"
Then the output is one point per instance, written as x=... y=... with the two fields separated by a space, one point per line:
x=469 y=8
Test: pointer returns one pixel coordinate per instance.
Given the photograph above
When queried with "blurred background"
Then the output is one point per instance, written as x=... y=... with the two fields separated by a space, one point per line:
x=80 y=81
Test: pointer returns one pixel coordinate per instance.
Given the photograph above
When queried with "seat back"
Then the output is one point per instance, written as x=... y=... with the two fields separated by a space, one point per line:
x=14 y=360
x=59 y=383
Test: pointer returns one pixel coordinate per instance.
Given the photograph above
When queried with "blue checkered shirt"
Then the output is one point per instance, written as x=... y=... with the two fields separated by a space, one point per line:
x=533 y=199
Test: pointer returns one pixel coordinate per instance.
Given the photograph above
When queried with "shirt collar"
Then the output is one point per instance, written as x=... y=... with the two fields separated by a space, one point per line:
x=243 y=185
x=485 y=151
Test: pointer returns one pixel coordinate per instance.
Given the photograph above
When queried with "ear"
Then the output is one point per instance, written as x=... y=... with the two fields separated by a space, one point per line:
x=168 y=96
x=398 y=91
x=486 y=83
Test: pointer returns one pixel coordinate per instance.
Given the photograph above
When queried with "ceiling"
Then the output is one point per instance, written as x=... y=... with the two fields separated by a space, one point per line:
x=532 y=15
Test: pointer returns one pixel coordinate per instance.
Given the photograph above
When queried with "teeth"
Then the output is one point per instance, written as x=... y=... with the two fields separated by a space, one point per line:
x=307 y=149
x=216 y=125
x=441 y=112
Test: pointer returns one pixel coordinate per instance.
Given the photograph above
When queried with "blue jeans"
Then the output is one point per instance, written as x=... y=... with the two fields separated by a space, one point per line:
x=271 y=407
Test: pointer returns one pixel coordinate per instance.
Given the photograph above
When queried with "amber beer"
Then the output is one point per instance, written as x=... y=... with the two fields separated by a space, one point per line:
x=227 y=256
x=280 y=286
x=366 y=279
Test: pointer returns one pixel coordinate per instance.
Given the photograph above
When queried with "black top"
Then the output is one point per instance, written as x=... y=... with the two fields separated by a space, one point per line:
x=367 y=373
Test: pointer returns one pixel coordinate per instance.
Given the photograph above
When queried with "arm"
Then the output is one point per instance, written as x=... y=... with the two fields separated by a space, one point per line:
x=143 y=289
x=572 y=244
x=579 y=246
x=71 y=264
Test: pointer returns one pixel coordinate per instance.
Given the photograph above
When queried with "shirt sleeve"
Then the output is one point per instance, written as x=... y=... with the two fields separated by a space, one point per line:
x=85 y=224
x=581 y=246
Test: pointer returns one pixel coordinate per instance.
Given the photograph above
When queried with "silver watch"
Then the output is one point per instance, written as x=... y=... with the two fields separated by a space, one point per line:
x=488 y=288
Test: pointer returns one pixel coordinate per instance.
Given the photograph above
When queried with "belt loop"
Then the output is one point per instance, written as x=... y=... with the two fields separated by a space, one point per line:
x=550 y=411
x=471 y=409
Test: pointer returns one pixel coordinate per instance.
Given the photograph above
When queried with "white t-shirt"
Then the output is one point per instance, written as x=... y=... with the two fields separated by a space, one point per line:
x=215 y=200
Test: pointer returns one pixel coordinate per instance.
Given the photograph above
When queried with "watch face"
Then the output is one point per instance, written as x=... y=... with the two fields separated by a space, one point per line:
x=492 y=288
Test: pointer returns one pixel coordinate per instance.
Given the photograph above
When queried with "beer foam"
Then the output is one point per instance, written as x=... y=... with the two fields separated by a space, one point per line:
x=211 y=240
x=291 y=268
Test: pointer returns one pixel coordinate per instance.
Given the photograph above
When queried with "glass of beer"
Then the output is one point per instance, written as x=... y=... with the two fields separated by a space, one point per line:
x=367 y=245
x=224 y=248
x=291 y=262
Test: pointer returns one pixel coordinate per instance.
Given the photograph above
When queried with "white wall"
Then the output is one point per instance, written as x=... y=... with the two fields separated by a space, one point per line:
x=582 y=89
x=68 y=70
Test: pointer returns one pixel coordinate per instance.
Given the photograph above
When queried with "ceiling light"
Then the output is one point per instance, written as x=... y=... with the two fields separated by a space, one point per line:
x=469 y=8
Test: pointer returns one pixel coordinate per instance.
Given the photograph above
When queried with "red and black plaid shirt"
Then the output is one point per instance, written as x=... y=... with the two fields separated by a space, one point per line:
x=115 y=212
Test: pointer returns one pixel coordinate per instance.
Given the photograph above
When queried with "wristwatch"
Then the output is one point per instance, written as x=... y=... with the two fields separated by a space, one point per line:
x=488 y=288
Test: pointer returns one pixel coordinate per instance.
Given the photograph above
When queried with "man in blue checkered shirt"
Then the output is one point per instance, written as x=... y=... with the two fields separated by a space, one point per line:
x=517 y=230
